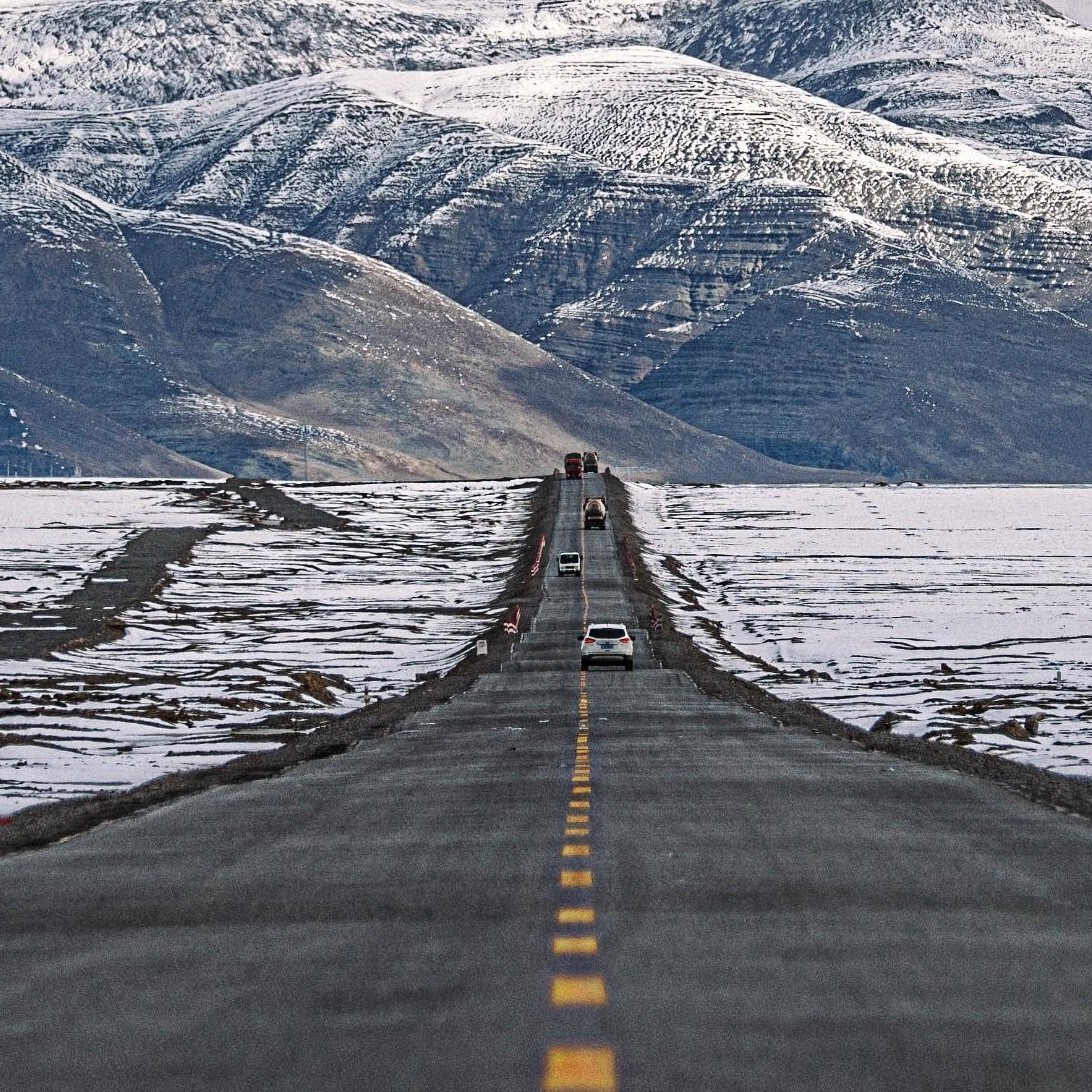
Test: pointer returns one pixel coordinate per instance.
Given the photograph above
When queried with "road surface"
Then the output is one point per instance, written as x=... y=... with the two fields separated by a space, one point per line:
x=566 y=881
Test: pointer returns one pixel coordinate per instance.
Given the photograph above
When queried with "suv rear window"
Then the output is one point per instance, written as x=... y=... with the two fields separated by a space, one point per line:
x=568 y=558
x=606 y=633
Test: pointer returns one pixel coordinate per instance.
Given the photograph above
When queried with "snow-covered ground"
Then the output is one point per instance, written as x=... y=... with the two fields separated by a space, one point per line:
x=260 y=622
x=51 y=539
x=962 y=609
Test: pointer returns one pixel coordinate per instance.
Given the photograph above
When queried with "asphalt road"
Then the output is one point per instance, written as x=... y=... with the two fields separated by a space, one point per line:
x=562 y=881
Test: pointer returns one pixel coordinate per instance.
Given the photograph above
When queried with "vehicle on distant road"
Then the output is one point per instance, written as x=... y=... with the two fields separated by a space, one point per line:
x=606 y=642
x=574 y=465
x=591 y=462
x=595 y=512
x=568 y=564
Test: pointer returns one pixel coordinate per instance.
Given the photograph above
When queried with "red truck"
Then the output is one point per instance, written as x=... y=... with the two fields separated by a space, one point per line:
x=574 y=465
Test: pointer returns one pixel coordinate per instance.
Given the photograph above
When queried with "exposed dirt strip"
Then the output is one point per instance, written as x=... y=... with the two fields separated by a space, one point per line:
x=297 y=515
x=89 y=615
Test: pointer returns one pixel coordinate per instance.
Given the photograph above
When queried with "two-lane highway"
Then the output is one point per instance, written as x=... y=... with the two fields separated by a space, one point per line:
x=566 y=881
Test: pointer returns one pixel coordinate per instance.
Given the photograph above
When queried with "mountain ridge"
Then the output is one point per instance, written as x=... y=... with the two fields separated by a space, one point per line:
x=239 y=348
x=658 y=220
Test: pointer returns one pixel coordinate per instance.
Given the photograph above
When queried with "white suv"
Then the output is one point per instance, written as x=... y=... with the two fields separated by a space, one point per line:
x=606 y=642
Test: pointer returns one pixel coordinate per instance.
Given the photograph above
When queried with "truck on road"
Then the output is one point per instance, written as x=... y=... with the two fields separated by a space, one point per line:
x=574 y=465
x=591 y=462
x=595 y=512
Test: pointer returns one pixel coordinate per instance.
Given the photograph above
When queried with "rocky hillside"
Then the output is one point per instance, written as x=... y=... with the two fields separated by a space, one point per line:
x=45 y=434
x=1006 y=73
x=726 y=240
x=105 y=54
x=261 y=353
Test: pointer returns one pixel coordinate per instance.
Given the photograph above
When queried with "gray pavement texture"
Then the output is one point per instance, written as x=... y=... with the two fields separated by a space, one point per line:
x=762 y=908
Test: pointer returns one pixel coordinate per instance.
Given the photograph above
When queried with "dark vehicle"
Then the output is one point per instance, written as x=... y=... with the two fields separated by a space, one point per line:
x=595 y=512
x=574 y=465
x=606 y=643
x=591 y=462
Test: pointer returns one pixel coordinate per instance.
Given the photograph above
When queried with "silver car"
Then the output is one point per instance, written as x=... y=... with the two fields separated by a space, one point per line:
x=606 y=642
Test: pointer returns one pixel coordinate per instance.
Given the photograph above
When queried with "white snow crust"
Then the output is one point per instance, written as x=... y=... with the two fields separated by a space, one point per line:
x=51 y=539
x=954 y=607
x=403 y=592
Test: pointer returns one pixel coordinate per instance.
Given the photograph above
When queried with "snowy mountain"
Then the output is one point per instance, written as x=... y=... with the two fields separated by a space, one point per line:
x=1006 y=73
x=743 y=243
x=975 y=59
x=237 y=347
x=694 y=120
x=123 y=53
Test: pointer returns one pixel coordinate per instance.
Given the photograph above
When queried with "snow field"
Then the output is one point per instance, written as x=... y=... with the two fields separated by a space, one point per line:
x=261 y=623
x=964 y=611
x=52 y=537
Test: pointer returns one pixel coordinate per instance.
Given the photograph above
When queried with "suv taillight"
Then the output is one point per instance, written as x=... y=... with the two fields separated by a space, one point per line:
x=589 y=640
x=625 y=640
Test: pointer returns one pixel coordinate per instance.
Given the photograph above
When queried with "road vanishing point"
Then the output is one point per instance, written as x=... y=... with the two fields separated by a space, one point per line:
x=564 y=881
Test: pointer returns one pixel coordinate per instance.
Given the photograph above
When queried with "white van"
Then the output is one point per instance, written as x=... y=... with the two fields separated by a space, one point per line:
x=568 y=564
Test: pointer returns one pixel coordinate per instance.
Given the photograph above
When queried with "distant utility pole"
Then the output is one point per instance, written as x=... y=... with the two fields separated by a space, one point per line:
x=306 y=467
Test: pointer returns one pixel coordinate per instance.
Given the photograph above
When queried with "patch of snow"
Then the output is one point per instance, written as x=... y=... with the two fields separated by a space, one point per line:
x=960 y=609
x=258 y=622
x=52 y=538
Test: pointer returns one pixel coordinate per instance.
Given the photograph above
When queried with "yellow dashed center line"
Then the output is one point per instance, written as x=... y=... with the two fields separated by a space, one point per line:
x=576 y=915
x=578 y=1066
x=576 y=849
x=575 y=878
x=579 y=1069
x=578 y=989
x=585 y=946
